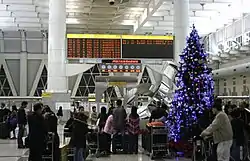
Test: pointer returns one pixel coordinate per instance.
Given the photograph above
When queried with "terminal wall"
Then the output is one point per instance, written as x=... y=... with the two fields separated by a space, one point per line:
x=23 y=61
x=23 y=67
x=236 y=85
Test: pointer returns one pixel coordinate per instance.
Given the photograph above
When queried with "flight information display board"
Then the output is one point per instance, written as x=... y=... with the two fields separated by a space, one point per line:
x=149 y=49
x=119 y=46
x=94 y=48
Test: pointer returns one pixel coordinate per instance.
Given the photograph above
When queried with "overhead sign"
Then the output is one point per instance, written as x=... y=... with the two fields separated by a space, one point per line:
x=122 y=68
x=121 y=61
x=46 y=94
x=91 y=97
x=117 y=83
x=121 y=65
x=107 y=36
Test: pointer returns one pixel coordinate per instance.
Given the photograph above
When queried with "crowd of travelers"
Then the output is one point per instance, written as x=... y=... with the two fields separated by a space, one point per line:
x=229 y=130
x=42 y=122
x=110 y=122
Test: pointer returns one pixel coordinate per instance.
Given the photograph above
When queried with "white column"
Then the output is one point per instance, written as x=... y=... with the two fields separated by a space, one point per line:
x=243 y=28
x=57 y=80
x=1 y=42
x=181 y=26
x=23 y=65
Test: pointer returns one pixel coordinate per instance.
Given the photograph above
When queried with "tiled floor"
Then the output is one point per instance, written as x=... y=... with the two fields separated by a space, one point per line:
x=9 y=151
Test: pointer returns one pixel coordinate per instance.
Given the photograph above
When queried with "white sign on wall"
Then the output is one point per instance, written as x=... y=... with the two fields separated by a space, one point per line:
x=65 y=105
x=106 y=105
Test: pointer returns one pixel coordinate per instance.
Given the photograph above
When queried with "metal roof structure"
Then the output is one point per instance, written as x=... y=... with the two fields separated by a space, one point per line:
x=124 y=17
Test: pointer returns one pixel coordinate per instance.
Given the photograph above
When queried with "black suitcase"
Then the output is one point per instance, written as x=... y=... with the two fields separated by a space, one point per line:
x=4 y=131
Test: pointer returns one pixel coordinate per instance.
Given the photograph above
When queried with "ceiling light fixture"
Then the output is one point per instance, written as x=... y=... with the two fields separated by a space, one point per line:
x=202 y=6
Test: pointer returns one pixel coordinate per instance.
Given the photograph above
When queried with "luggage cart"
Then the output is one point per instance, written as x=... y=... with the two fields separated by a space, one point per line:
x=93 y=142
x=70 y=156
x=158 y=142
x=202 y=149
x=120 y=143
x=49 y=151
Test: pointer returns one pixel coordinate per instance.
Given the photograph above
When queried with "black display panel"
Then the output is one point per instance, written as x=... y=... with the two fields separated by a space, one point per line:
x=94 y=48
x=148 y=49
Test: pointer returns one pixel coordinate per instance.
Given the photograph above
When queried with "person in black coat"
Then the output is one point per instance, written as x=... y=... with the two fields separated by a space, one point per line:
x=12 y=121
x=78 y=138
x=238 y=134
x=60 y=114
x=22 y=122
x=158 y=112
x=68 y=128
x=4 y=112
x=51 y=125
x=37 y=133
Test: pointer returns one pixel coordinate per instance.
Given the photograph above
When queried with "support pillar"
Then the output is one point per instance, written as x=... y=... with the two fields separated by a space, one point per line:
x=1 y=42
x=57 y=90
x=23 y=66
x=243 y=28
x=181 y=26
x=57 y=80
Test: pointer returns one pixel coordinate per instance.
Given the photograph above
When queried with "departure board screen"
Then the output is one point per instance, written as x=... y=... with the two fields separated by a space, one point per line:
x=149 y=49
x=109 y=46
x=94 y=48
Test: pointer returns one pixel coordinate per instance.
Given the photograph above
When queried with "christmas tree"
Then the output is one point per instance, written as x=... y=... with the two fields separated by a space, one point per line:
x=194 y=92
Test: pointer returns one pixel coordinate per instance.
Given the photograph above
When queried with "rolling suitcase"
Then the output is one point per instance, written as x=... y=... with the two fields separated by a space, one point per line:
x=4 y=131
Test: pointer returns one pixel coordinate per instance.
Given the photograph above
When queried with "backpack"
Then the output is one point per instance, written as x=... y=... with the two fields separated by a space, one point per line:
x=13 y=121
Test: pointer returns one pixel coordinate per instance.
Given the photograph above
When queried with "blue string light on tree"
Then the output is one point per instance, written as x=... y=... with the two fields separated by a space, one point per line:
x=195 y=88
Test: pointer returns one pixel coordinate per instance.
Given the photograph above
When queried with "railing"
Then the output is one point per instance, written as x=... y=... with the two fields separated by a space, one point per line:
x=234 y=97
x=16 y=100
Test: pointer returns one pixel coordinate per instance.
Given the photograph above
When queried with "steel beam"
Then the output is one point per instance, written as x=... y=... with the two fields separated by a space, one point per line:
x=153 y=6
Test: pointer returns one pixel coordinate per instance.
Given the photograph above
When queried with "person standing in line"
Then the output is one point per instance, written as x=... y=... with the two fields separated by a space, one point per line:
x=21 y=121
x=134 y=130
x=51 y=125
x=111 y=109
x=13 y=121
x=4 y=112
x=238 y=134
x=119 y=117
x=60 y=114
x=93 y=116
x=78 y=137
x=159 y=112
x=222 y=132
x=102 y=118
x=108 y=131
x=37 y=133
x=119 y=123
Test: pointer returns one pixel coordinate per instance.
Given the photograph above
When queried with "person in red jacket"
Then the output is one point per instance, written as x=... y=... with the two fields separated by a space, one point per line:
x=133 y=130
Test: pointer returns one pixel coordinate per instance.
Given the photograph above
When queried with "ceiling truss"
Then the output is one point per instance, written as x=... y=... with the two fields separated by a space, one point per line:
x=124 y=17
